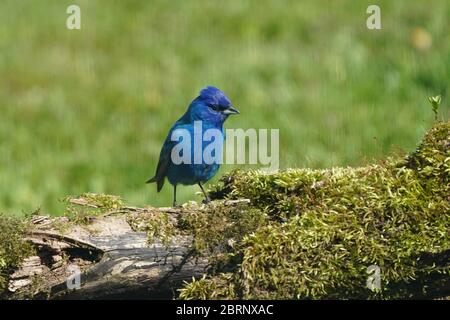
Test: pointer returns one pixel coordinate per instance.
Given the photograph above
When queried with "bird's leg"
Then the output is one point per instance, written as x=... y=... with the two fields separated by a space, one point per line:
x=207 y=199
x=175 y=195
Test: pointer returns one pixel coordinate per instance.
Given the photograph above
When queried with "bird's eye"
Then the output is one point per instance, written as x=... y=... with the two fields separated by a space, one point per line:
x=214 y=107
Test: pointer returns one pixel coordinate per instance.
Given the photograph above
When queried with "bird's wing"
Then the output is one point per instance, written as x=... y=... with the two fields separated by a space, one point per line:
x=163 y=164
x=164 y=157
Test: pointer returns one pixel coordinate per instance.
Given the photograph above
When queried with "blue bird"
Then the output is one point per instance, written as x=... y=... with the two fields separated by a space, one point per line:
x=212 y=108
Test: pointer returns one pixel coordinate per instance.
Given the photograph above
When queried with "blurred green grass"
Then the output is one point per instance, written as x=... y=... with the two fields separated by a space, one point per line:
x=87 y=110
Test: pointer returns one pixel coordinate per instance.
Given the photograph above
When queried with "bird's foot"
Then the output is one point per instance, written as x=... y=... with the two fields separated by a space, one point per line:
x=176 y=205
x=206 y=200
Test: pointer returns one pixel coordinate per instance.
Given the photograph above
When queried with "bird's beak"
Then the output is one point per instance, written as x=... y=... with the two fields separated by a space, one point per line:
x=230 y=110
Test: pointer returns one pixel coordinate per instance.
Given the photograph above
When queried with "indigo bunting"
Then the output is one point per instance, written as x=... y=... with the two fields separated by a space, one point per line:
x=210 y=109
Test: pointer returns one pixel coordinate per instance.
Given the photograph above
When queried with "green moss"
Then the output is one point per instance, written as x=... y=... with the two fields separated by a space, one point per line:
x=327 y=226
x=304 y=234
x=13 y=249
x=432 y=157
x=157 y=225
x=216 y=230
x=82 y=209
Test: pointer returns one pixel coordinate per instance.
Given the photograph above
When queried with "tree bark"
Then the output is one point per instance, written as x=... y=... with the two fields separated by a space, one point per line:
x=113 y=260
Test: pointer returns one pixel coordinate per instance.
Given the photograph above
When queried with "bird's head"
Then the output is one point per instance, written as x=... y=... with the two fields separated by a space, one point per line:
x=211 y=105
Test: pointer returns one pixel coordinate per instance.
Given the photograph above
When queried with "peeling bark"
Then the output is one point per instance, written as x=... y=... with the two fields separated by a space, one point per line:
x=114 y=261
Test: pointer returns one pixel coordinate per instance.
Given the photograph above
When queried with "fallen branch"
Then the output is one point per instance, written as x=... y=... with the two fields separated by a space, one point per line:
x=113 y=260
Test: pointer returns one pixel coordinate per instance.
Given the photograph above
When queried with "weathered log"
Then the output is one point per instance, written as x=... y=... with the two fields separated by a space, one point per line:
x=113 y=260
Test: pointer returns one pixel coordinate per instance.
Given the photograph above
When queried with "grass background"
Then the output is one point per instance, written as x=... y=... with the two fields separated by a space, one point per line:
x=87 y=110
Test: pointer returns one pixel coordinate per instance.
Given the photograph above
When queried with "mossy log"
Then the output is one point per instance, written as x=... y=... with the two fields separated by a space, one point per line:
x=114 y=260
x=293 y=234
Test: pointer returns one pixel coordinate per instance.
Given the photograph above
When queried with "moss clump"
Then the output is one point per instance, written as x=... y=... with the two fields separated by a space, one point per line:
x=215 y=230
x=13 y=249
x=156 y=224
x=432 y=157
x=327 y=226
x=218 y=231
x=82 y=209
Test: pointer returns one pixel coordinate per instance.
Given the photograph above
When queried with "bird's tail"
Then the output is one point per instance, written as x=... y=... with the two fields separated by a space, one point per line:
x=159 y=182
x=151 y=180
